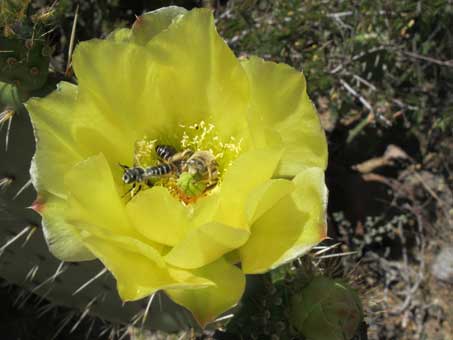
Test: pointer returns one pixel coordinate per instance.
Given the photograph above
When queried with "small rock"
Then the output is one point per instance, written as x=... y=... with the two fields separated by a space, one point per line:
x=442 y=267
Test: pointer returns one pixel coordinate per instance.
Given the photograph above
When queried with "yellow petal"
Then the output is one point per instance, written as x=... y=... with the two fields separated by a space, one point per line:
x=247 y=172
x=120 y=35
x=116 y=98
x=291 y=227
x=207 y=303
x=156 y=214
x=276 y=231
x=93 y=197
x=148 y=25
x=152 y=23
x=63 y=239
x=200 y=77
x=310 y=196
x=281 y=114
x=206 y=244
x=266 y=196
x=205 y=209
x=56 y=151
x=138 y=276
x=152 y=250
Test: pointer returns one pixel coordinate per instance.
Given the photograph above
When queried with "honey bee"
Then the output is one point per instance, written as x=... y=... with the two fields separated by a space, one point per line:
x=204 y=167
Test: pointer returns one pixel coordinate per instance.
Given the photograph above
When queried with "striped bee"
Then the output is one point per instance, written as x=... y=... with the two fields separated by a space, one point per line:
x=165 y=152
x=202 y=165
x=171 y=164
x=132 y=175
x=173 y=161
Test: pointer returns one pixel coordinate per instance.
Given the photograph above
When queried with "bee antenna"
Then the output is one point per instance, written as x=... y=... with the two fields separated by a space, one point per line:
x=123 y=166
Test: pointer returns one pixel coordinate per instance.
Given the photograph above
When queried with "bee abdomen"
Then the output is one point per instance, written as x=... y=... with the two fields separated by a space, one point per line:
x=158 y=170
x=165 y=151
x=131 y=175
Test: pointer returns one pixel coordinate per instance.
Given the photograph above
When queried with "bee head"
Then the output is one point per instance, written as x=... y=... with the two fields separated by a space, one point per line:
x=127 y=177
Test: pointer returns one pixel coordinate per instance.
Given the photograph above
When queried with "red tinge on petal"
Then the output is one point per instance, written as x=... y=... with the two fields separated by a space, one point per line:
x=38 y=205
x=323 y=231
x=137 y=23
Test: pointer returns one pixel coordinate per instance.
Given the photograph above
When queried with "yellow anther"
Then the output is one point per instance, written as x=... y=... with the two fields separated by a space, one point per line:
x=144 y=154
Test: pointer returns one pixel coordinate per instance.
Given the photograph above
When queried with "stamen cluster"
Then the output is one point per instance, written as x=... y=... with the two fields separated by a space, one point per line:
x=204 y=146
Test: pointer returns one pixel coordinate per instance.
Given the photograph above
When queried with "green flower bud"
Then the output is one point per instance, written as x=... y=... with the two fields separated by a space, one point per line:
x=326 y=309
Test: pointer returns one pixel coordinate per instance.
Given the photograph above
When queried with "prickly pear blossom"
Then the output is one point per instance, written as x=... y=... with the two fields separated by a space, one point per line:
x=171 y=80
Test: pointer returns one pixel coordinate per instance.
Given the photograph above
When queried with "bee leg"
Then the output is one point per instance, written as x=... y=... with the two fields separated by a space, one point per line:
x=139 y=188
x=210 y=184
x=127 y=192
x=134 y=190
x=149 y=183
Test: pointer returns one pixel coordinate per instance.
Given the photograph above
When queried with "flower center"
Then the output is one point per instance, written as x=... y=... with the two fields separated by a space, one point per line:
x=190 y=164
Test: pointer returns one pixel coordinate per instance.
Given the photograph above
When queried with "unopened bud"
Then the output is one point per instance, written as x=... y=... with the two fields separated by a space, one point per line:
x=326 y=309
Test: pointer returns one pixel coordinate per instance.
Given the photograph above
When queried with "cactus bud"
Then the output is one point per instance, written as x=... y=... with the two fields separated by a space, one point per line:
x=326 y=309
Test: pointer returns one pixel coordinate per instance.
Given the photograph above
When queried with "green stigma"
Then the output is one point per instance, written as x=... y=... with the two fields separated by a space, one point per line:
x=190 y=185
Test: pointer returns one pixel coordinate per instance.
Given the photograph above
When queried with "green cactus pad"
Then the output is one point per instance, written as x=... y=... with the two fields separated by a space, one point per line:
x=24 y=63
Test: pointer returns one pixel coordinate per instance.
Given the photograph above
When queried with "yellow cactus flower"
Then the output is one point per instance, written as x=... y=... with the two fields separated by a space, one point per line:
x=172 y=82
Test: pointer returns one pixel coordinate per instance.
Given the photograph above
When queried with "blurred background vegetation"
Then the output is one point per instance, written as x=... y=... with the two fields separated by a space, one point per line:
x=380 y=74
